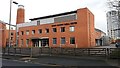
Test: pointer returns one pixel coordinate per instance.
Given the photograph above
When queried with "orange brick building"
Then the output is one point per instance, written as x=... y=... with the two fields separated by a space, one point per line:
x=70 y=29
x=99 y=37
x=4 y=35
x=12 y=37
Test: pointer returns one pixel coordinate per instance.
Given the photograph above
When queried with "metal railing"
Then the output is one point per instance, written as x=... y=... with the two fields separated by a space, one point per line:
x=101 y=52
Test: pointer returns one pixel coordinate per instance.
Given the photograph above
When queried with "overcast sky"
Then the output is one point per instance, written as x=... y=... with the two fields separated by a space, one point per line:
x=39 y=8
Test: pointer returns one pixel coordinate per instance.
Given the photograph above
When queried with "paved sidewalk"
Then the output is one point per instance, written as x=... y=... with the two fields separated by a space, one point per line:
x=109 y=46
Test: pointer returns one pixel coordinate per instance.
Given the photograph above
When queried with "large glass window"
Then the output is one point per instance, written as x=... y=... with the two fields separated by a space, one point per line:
x=72 y=28
x=27 y=32
x=72 y=40
x=40 y=31
x=54 y=40
x=33 y=31
x=62 y=29
x=54 y=30
x=62 y=40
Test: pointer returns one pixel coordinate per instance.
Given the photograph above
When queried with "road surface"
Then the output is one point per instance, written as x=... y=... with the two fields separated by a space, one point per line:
x=55 y=61
x=6 y=62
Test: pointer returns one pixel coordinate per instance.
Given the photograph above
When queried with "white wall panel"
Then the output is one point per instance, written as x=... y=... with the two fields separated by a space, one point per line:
x=47 y=20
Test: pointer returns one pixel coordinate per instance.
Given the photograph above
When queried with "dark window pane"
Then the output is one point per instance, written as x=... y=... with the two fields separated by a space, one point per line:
x=54 y=40
x=22 y=32
x=62 y=40
x=47 y=30
x=72 y=40
x=62 y=29
x=40 y=31
x=54 y=30
x=11 y=33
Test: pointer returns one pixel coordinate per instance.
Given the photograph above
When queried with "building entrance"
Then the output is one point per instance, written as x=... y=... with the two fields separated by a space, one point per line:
x=40 y=42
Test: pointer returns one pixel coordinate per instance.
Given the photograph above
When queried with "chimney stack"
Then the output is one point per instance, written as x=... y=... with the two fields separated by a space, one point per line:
x=20 y=14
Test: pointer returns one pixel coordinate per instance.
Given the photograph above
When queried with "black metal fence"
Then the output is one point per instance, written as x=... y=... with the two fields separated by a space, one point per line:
x=103 y=52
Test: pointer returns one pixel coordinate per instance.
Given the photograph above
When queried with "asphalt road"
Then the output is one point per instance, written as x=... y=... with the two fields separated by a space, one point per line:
x=17 y=63
x=69 y=61
x=54 y=61
x=21 y=64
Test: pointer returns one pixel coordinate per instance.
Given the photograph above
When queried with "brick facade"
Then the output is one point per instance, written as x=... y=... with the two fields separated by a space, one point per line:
x=4 y=35
x=83 y=34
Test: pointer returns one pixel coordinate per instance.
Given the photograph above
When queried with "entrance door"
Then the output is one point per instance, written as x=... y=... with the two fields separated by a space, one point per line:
x=40 y=42
x=35 y=42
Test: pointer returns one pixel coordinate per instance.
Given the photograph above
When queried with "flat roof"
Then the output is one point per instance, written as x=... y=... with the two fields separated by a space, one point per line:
x=53 y=15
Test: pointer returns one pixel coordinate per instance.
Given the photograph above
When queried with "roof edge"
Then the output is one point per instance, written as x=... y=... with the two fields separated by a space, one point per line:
x=49 y=16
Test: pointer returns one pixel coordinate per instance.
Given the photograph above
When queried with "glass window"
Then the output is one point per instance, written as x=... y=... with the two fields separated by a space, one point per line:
x=40 y=31
x=47 y=31
x=72 y=28
x=33 y=31
x=54 y=30
x=11 y=33
x=62 y=29
x=62 y=40
x=54 y=40
x=27 y=32
x=11 y=38
x=38 y=22
x=22 y=33
x=27 y=42
x=72 y=40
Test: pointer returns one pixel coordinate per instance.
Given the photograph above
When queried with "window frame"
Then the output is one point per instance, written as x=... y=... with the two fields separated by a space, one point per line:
x=39 y=31
x=47 y=30
x=33 y=32
x=11 y=38
x=27 y=42
x=22 y=32
x=27 y=32
x=72 y=41
x=12 y=33
x=54 y=29
x=54 y=41
x=62 y=40
x=72 y=28
x=38 y=22
x=62 y=29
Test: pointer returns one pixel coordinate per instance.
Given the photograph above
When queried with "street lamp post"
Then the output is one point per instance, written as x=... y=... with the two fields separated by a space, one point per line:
x=10 y=20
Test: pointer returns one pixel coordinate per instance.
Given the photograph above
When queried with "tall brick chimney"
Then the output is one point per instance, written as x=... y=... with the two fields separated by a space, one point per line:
x=20 y=14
